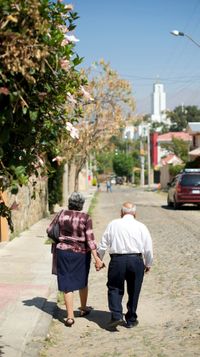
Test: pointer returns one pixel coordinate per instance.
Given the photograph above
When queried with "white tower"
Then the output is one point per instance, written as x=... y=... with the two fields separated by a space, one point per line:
x=158 y=103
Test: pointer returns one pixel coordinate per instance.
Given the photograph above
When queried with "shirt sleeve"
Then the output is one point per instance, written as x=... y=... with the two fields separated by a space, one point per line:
x=90 y=235
x=148 y=247
x=104 y=243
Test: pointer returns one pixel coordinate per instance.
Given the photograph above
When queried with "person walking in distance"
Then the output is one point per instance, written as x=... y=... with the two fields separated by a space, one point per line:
x=130 y=247
x=108 y=186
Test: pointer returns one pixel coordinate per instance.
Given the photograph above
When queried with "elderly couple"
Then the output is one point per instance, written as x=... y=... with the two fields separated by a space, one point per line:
x=130 y=247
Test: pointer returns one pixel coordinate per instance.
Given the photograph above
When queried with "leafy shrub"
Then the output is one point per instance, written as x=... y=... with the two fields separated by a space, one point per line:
x=174 y=170
x=94 y=181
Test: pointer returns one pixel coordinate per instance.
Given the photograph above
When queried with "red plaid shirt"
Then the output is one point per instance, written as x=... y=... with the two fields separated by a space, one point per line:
x=75 y=231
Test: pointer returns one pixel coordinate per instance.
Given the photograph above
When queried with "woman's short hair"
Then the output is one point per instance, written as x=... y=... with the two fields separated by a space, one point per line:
x=76 y=201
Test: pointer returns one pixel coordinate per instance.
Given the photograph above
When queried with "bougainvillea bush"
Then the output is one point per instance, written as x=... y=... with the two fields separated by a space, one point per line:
x=38 y=83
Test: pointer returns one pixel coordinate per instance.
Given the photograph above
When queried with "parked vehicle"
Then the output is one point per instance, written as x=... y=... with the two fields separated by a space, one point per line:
x=119 y=180
x=184 y=188
x=113 y=180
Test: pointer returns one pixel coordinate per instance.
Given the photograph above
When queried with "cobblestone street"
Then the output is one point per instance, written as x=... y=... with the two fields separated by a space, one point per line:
x=168 y=311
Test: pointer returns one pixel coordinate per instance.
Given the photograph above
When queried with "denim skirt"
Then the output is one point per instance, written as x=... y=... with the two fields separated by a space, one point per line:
x=72 y=270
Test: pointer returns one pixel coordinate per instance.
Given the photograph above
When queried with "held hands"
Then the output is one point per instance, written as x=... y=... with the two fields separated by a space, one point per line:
x=99 y=264
x=147 y=269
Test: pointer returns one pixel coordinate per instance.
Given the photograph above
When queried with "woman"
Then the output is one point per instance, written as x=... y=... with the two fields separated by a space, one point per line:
x=73 y=252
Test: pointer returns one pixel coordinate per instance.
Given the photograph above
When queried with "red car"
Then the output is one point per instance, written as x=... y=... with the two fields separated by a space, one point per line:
x=184 y=188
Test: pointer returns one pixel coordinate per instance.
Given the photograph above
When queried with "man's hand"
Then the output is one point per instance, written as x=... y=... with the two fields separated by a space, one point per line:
x=99 y=264
x=147 y=269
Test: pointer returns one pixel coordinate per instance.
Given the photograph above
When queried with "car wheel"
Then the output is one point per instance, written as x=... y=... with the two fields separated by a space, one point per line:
x=175 y=204
x=169 y=203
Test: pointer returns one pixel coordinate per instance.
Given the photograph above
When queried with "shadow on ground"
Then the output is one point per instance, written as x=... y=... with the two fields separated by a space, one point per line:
x=182 y=208
x=101 y=318
x=42 y=304
x=1 y=349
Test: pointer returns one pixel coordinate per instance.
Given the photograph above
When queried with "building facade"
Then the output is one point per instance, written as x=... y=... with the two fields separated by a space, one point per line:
x=158 y=103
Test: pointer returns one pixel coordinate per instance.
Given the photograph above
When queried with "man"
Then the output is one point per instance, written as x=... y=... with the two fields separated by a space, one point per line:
x=130 y=247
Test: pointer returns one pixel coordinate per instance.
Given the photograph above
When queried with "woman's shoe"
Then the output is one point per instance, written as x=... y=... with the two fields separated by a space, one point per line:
x=69 y=322
x=85 y=311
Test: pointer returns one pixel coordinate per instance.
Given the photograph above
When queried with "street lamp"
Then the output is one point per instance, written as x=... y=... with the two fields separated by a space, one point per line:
x=179 y=33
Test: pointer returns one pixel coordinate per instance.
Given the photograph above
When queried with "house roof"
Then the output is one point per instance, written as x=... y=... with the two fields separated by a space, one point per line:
x=167 y=137
x=171 y=159
x=195 y=152
x=193 y=127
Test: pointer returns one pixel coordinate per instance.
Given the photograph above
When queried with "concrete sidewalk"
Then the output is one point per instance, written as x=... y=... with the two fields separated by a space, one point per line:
x=28 y=290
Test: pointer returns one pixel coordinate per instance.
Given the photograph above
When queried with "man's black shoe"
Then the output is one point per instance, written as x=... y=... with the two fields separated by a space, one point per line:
x=115 y=322
x=131 y=324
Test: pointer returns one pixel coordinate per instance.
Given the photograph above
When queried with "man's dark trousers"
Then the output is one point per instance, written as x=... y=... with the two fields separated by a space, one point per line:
x=129 y=268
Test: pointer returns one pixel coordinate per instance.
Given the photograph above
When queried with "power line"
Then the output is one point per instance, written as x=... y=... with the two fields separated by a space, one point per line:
x=161 y=79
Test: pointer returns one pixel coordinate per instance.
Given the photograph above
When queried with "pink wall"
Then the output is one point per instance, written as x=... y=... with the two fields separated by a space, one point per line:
x=154 y=149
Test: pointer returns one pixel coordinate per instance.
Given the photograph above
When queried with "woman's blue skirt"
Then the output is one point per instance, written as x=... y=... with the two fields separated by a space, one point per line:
x=72 y=270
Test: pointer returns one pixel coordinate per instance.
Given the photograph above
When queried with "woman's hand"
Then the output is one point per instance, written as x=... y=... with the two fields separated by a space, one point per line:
x=99 y=264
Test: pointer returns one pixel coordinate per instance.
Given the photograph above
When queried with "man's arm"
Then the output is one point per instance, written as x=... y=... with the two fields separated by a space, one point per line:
x=148 y=250
x=103 y=244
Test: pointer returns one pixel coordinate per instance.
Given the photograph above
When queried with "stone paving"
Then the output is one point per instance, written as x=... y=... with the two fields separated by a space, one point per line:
x=168 y=310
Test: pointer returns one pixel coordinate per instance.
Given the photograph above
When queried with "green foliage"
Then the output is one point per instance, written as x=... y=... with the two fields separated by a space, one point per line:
x=94 y=181
x=37 y=71
x=104 y=162
x=179 y=147
x=55 y=185
x=33 y=82
x=161 y=127
x=175 y=170
x=137 y=177
x=180 y=117
x=5 y=212
x=123 y=165
x=132 y=147
x=93 y=204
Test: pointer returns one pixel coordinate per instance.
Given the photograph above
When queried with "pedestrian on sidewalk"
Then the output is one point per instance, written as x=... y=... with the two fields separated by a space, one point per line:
x=108 y=186
x=98 y=187
x=75 y=245
x=130 y=247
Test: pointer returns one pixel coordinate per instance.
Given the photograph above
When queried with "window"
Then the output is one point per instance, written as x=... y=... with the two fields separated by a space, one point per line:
x=190 y=180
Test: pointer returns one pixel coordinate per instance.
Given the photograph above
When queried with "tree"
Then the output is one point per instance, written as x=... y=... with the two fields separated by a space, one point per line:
x=179 y=147
x=104 y=161
x=123 y=165
x=38 y=82
x=180 y=117
x=110 y=104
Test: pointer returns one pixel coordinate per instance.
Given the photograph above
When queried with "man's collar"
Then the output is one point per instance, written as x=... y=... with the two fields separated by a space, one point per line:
x=128 y=215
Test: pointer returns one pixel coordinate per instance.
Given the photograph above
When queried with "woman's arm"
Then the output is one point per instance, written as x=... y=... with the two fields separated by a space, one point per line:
x=98 y=262
x=92 y=244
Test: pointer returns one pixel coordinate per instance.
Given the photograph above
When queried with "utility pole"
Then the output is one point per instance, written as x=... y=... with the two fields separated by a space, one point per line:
x=142 y=163
x=149 y=156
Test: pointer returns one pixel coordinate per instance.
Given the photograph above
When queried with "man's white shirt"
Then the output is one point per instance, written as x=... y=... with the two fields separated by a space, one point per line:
x=127 y=235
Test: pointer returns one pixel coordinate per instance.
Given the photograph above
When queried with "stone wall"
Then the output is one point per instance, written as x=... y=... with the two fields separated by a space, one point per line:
x=164 y=176
x=30 y=210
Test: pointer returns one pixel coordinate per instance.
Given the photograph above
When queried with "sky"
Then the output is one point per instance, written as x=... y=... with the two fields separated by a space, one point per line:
x=134 y=37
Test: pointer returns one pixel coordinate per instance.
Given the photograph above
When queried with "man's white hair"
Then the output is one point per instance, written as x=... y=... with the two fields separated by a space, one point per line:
x=128 y=210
